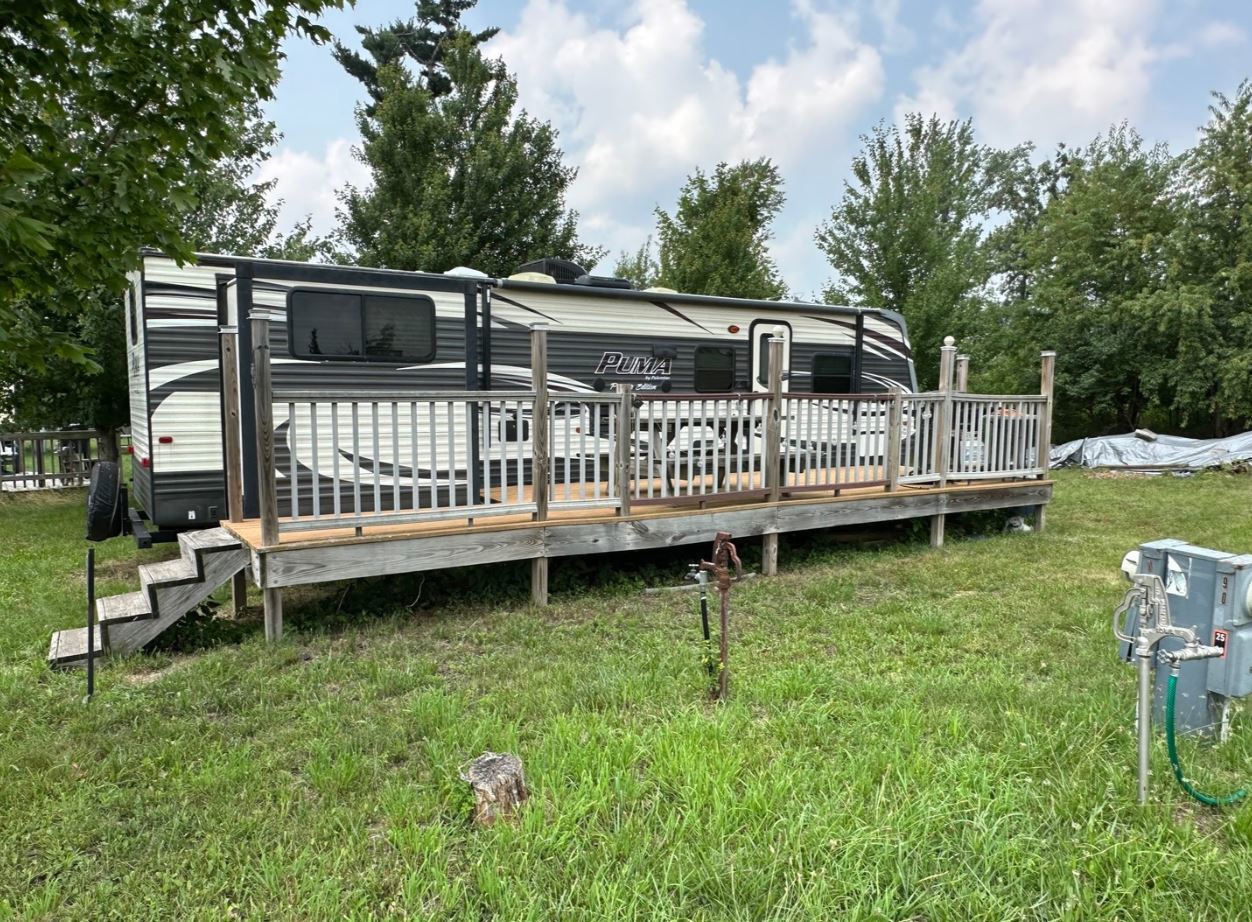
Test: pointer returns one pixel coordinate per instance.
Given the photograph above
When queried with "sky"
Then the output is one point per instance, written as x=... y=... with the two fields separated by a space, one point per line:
x=643 y=92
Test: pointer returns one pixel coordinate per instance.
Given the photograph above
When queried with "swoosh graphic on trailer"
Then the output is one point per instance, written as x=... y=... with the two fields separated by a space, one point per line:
x=677 y=313
x=499 y=297
x=899 y=347
x=168 y=374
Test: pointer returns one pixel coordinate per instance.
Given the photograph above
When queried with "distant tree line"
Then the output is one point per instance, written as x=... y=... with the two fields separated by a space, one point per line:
x=1133 y=263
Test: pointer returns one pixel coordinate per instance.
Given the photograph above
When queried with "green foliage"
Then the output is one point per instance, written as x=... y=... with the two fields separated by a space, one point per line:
x=1204 y=312
x=231 y=214
x=1095 y=253
x=60 y=392
x=425 y=40
x=459 y=179
x=107 y=110
x=716 y=242
x=908 y=233
x=641 y=267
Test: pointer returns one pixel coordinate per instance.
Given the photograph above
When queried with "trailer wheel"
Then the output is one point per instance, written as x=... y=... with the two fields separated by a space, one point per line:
x=104 y=506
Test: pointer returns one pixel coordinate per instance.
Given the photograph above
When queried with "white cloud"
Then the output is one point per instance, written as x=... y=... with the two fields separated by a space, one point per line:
x=1216 y=34
x=641 y=106
x=307 y=182
x=1045 y=69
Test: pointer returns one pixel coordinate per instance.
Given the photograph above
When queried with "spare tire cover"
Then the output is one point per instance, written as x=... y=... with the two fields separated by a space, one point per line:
x=104 y=512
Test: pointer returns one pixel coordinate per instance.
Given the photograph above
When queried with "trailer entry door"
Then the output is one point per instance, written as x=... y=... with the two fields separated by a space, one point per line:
x=761 y=332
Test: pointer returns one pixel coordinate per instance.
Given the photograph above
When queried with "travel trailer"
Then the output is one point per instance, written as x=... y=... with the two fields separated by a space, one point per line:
x=352 y=329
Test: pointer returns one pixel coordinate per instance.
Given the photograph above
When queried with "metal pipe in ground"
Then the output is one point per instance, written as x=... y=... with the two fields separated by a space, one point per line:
x=1144 y=721
x=724 y=557
x=91 y=623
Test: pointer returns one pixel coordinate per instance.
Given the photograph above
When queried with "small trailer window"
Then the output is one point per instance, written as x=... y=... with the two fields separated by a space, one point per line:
x=715 y=369
x=361 y=326
x=832 y=373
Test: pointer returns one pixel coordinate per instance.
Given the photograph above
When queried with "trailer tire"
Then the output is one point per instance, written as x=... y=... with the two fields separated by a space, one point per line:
x=104 y=502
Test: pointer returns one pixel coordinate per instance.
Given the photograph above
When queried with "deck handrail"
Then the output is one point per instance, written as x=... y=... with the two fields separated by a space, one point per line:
x=341 y=458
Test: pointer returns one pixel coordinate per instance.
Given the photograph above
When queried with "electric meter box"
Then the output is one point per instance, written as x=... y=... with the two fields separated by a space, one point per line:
x=1211 y=593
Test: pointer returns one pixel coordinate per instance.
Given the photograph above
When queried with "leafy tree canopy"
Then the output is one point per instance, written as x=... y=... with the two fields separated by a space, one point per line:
x=717 y=240
x=107 y=111
x=460 y=178
x=424 y=40
x=907 y=235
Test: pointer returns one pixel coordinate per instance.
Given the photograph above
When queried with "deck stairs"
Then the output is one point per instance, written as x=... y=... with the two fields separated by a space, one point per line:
x=167 y=591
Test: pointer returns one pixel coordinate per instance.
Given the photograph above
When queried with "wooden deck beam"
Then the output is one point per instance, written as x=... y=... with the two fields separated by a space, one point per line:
x=301 y=563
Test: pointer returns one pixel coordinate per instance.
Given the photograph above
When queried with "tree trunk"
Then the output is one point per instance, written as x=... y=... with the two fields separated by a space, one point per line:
x=109 y=450
x=499 y=786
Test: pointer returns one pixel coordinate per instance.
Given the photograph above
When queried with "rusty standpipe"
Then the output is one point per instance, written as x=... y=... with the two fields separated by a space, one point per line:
x=724 y=555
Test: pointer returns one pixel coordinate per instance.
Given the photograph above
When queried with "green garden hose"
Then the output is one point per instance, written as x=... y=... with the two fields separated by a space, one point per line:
x=1170 y=692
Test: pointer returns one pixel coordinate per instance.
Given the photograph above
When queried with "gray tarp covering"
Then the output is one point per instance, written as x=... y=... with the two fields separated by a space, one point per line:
x=1158 y=452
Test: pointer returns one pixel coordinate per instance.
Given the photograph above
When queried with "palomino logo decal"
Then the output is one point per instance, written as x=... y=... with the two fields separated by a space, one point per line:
x=634 y=366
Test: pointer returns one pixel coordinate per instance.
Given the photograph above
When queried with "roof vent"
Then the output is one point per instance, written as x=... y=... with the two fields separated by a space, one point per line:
x=603 y=281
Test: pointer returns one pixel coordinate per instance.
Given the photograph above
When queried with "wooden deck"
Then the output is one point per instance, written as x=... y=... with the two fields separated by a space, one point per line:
x=334 y=554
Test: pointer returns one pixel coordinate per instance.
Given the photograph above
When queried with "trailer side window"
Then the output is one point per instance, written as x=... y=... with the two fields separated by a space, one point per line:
x=715 y=369
x=832 y=373
x=400 y=327
x=364 y=327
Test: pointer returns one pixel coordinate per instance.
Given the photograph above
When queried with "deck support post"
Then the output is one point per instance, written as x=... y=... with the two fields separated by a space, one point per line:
x=273 y=615
x=263 y=393
x=539 y=453
x=943 y=432
x=895 y=436
x=1047 y=374
x=962 y=374
x=239 y=592
x=622 y=455
x=774 y=474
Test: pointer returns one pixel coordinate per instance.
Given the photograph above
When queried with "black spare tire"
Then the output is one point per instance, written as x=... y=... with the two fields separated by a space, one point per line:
x=104 y=505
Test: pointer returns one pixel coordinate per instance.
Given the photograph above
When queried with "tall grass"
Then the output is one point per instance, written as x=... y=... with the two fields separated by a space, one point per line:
x=911 y=734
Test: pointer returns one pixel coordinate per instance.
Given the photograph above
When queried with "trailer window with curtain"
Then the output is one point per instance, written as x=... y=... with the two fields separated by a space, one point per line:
x=363 y=327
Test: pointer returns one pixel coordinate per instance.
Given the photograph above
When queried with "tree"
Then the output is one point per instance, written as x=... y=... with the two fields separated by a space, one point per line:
x=107 y=109
x=1096 y=255
x=231 y=215
x=717 y=240
x=1205 y=311
x=639 y=268
x=908 y=233
x=425 y=40
x=459 y=179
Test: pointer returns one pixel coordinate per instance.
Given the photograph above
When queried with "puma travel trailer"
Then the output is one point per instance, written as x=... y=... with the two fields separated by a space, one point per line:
x=359 y=330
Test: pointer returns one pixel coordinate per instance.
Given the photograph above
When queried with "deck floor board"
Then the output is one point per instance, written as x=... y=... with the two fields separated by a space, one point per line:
x=249 y=530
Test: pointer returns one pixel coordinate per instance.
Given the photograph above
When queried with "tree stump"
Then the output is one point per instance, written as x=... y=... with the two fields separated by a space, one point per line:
x=499 y=786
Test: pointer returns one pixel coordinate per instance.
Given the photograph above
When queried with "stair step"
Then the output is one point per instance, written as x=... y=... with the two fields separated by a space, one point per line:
x=207 y=539
x=169 y=590
x=70 y=647
x=116 y=609
x=178 y=570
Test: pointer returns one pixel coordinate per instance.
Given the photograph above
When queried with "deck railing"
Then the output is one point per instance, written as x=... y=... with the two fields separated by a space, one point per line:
x=47 y=460
x=353 y=459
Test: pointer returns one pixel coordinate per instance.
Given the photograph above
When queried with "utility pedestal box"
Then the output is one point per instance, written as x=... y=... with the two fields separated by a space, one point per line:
x=1210 y=592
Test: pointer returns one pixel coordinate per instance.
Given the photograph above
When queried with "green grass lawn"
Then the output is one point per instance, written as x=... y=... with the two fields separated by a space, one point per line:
x=912 y=734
